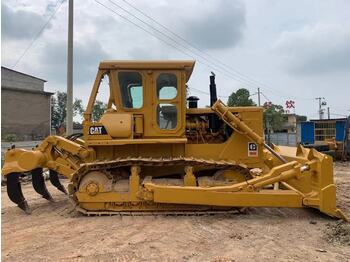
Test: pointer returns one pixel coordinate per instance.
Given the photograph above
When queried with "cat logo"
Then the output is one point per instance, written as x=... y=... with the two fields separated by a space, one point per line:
x=97 y=130
x=252 y=149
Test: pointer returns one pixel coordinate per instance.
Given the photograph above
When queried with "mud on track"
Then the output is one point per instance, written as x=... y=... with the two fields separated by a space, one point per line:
x=282 y=234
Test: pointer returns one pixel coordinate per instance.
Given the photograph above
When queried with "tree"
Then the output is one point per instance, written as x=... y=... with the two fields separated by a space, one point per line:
x=98 y=110
x=59 y=109
x=240 y=98
x=273 y=117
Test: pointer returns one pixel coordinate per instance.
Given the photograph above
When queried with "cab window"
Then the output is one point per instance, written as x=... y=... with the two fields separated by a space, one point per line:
x=167 y=116
x=131 y=89
x=166 y=86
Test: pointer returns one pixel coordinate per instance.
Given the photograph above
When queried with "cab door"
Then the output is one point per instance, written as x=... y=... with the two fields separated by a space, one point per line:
x=169 y=103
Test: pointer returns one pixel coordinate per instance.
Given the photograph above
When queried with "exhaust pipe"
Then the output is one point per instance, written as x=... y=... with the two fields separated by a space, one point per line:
x=212 y=87
x=213 y=119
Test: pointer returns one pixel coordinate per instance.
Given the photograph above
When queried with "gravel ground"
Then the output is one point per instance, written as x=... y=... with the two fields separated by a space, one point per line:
x=261 y=234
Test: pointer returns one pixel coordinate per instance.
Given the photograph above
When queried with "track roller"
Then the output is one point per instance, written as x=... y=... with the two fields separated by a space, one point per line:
x=39 y=183
x=56 y=181
x=14 y=191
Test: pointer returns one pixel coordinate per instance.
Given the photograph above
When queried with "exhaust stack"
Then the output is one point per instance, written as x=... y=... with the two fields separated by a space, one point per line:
x=213 y=120
x=212 y=87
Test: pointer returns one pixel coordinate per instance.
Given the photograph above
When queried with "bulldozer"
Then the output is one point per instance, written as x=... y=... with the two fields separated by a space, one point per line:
x=154 y=150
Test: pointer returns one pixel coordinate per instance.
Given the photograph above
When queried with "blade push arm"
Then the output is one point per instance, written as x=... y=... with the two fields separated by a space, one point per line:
x=235 y=123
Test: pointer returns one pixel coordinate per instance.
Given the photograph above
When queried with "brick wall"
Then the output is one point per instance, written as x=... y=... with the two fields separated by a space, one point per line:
x=14 y=79
x=25 y=113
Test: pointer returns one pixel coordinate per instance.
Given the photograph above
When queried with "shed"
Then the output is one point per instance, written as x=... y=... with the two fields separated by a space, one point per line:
x=318 y=130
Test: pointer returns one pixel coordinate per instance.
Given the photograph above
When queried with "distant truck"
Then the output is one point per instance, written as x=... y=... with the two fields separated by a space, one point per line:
x=330 y=136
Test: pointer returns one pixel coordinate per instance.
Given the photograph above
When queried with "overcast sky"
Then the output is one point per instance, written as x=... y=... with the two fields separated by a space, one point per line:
x=296 y=50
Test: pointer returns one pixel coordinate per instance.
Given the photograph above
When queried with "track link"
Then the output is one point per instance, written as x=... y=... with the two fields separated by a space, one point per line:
x=156 y=162
x=142 y=161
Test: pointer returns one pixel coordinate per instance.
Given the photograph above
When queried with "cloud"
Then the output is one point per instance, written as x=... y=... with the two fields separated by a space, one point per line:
x=20 y=24
x=317 y=49
x=215 y=24
x=51 y=6
x=87 y=55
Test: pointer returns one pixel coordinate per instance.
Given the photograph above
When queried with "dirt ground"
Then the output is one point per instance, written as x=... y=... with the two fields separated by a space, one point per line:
x=52 y=233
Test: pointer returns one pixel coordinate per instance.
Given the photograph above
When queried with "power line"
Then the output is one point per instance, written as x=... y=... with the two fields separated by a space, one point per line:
x=161 y=39
x=240 y=75
x=38 y=34
x=204 y=92
x=235 y=77
x=285 y=95
x=340 y=107
x=267 y=99
x=142 y=28
x=335 y=114
x=221 y=64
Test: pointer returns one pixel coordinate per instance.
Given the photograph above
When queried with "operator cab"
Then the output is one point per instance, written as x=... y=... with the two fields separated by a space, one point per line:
x=147 y=99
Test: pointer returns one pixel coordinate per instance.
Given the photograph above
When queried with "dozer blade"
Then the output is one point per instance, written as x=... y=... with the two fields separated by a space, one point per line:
x=39 y=183
x=14 y=191
x=56 y=181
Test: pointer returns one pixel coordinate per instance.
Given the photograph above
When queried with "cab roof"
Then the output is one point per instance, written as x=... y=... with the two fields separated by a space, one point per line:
x=186 y=65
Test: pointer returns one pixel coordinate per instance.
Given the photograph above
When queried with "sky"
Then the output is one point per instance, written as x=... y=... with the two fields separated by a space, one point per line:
x=292 y=50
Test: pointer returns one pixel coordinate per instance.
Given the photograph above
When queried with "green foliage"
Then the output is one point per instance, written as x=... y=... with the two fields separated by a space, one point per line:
x=273 y=117
x=98 y=110
x=78 y=107
x=240 y=98
x=59 y=109
x=10 y=137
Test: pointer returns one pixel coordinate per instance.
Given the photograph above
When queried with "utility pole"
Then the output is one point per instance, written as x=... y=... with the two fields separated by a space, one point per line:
x=320 y=104
x=328 y=113
x=258 y=96
x=69 y=121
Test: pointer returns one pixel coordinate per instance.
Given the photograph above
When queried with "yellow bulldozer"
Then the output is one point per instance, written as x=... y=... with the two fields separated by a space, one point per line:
x=153 y=151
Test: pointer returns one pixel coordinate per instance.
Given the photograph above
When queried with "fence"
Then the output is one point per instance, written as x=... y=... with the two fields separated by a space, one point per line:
x=283 y=139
